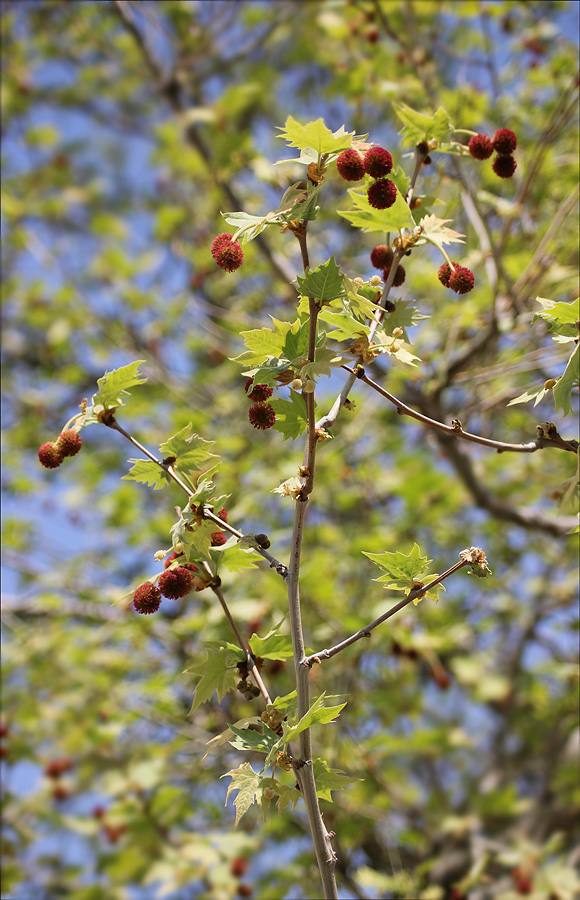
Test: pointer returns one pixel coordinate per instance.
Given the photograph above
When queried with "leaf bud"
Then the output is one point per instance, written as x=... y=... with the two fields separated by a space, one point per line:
x=296 y=385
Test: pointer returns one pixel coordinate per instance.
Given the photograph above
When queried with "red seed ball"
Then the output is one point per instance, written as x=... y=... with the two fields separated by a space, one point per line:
x=444 y=273
x=50 y=455
x=229 y=256
x=258 y=392
x=504 y=166
x=147 y=599
x=218 y=241
x=382 y=194
x=350 y=165
x=239 y=866
x=381 y=256
x=69 y=442
x=262 y=415
x=223 y=514
x=399 y=276
x=378 y=162
x=461 y=280
x=218 y=538
x=480 y=146
x=504 y=141
x=175 y=583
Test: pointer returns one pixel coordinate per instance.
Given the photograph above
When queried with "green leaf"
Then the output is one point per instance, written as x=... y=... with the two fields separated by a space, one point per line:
x=190 y=450
x=318 y=714
x=561 y=317
x=146 y=471
x=363 y=215
x=247 y=227
x=402 y=569
x=248 y=739
x=566 y=384
x=273 y=645
x=421 y=127
x=216 y=675
x=315 y=136
x=403 y=316
x=296 y=343
x=328 y=779
x=113 y=386
x=436 y=232
x=266 y=372
x=265 y=342
x=324 y=283
x=234 y=558
x=288 y=796
x=249 y=787
x=529 y=395
x=291 y=419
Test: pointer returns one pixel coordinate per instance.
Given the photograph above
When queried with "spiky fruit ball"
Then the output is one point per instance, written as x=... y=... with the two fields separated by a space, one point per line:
x=218 y=538
x=382 y=194
x=480 y=146
x=504 y=166
x=461 y=280
x=262 y=415
x=147 y=599
x=239 y=866
x=223 y=514
x=69 y=442
x=258 y=392
x=175 y=583
x=381 y=256
x=399 y=276
x=378 y=162
x=218 y=241
x=504 y=141
x=50 y=455
x=350 y=165
x=444 y=273
x=228 y=256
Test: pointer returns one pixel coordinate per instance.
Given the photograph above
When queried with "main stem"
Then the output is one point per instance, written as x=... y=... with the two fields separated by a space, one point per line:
x=325 y=855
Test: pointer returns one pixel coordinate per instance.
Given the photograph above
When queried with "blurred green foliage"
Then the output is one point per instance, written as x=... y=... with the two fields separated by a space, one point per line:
x=461 y=723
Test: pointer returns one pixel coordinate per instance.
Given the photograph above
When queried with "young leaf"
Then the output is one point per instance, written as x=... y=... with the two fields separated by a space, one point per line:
x=247 y=227
x=436 y=232
x=325 y=283
x=318 y=714
x=561 y=317
x=220 y=739
x=190 y=450
x=566 y=384
x=216 y=675
x=291 y=418
x=288 y=796
x=296 y=343
x=419 y=127
x=402 y=569
x=265 y=342
x=403 y=316
x=273 y=645
x=315 y=136
x=234 y=558
x=249 y=788
x=248 y=739
x=113 y=386
x=146 y=471
x=328 y=779
x=363 y=215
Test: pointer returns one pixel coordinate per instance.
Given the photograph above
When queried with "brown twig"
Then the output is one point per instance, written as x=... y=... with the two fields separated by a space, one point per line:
x=366 y=631
x=457 y=431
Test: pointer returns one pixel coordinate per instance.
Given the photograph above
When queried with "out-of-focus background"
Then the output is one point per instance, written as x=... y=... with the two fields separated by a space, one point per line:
x=127 y=128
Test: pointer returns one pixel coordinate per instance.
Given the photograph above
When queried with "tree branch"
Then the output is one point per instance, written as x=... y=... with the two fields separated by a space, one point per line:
x=456 y=430
x=366 y=631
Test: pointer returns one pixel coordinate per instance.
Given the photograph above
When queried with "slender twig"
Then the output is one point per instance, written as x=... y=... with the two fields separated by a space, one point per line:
x=365 y=632
x=280 y=568
x=250 y=659
x=321 y=839
x=456 y=431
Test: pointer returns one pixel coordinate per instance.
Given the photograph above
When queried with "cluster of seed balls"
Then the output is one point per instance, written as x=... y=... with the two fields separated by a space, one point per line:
x=504 y=142
x=52 y=453
x=227 y=253
x=172 y=583
x=376 y=162
x=382 y=258
x=260 y=414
